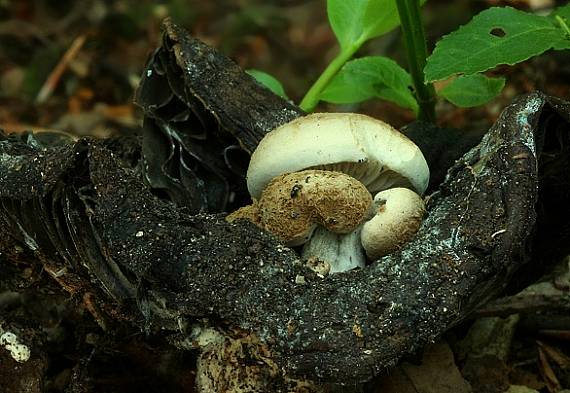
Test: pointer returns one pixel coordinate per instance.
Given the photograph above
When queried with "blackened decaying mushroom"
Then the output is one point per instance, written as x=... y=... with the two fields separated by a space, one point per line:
x=477 y=232
x=95 y=226
x=198 y=128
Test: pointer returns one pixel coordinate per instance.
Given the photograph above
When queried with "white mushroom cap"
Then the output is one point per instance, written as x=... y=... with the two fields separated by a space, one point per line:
x=367 y=149
x=398 y=216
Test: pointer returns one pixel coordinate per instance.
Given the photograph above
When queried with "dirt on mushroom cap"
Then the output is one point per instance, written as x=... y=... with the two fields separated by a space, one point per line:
x=293 y=204
x=249 y=212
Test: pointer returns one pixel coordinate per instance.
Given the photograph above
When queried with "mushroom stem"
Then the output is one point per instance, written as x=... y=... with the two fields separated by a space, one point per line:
x=342 y=251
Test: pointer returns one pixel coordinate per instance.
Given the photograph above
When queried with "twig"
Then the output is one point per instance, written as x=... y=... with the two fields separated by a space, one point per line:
x=535 y=298
x=53 y=79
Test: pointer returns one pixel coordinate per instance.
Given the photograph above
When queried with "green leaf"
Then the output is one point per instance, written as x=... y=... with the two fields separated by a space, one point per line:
x=268 y=81
x=371 y=77
x=356 y=21
x=495 y=36
x=472 y=90
x=563 y=11
x=380 y=17
x=561 y=17
x=345 y=18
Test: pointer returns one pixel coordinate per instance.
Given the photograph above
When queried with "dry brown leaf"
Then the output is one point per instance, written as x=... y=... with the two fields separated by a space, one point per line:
x=559 y=357
x=437 y=374
x=552 y=383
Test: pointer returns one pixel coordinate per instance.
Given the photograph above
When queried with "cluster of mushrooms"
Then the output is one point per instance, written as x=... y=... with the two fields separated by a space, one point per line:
x=312 y=181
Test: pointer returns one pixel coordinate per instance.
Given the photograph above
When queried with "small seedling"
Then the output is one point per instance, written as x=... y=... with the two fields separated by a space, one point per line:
x=496 y=36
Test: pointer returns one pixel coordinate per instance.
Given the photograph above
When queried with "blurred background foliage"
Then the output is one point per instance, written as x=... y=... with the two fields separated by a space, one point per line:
x=74 y=65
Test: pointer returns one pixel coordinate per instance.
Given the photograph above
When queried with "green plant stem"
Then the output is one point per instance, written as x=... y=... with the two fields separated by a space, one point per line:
x=311 y=99
x=563 y=24
x=412 y=28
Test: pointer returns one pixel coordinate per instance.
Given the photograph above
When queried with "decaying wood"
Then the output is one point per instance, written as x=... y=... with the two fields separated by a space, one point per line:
x=241 y=105
x=549 y=297
x=93 y=221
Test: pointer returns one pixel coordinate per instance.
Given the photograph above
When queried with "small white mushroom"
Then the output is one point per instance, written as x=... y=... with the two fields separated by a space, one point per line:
x=398 y=214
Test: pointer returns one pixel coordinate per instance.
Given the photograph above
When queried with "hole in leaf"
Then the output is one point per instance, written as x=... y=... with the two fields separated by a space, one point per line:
x=498 y=32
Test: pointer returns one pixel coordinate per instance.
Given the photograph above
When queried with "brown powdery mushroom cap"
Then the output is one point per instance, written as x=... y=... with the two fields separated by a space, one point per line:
x=292 y=205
